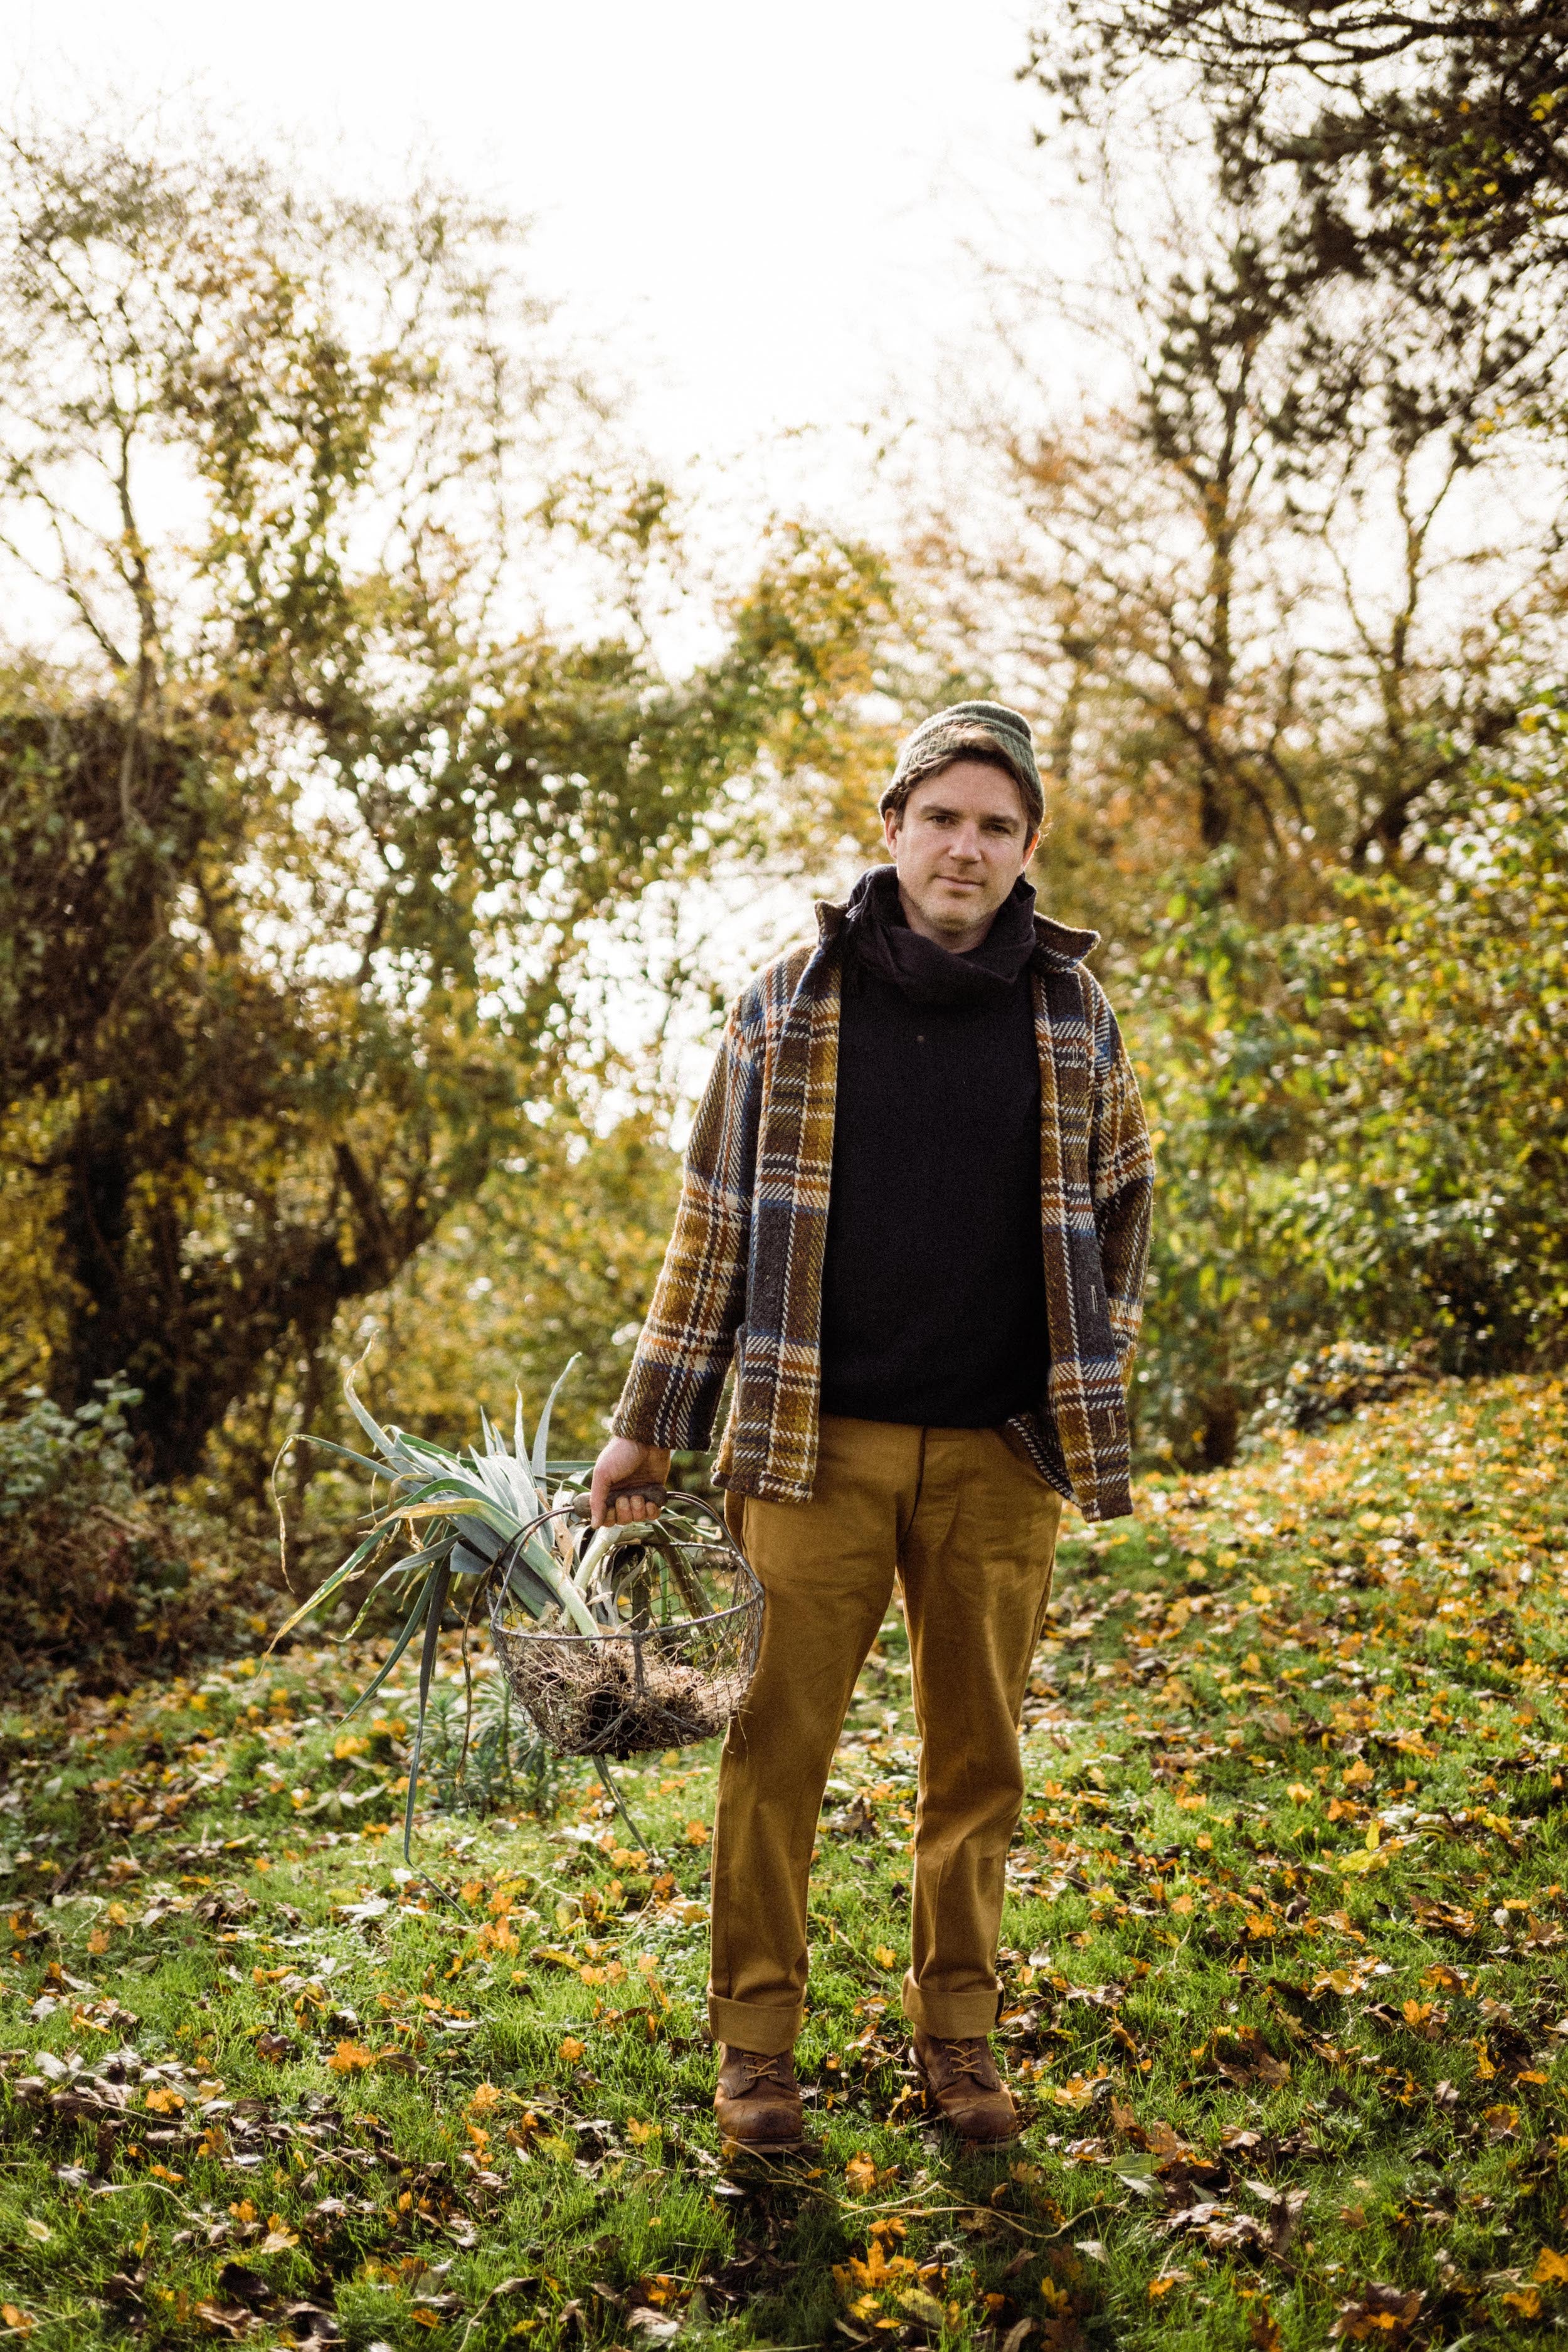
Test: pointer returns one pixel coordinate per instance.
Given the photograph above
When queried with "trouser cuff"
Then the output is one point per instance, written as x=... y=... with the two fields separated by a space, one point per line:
x=768 y=2031
x=950 y=2017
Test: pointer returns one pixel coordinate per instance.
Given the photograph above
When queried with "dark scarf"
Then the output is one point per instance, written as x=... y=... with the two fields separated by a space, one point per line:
x=881 y=939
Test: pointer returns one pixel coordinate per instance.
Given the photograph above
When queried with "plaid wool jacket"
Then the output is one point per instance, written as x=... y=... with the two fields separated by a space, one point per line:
x=741 y=1281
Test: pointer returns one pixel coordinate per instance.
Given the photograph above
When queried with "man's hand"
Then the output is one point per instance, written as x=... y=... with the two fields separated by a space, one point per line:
x=624 y=1462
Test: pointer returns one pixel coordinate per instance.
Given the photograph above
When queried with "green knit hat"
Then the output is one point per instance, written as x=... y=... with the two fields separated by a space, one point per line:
x=958 y=731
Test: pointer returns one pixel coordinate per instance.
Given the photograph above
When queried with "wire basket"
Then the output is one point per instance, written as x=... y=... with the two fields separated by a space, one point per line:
x=683 y=1613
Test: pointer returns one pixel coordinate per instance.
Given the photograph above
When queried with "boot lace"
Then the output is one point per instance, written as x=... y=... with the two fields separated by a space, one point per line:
x=755 y=2069
x=967 y=2057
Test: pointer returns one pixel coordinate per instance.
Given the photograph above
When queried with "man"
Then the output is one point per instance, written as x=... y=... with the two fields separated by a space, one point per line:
x=915 y=1220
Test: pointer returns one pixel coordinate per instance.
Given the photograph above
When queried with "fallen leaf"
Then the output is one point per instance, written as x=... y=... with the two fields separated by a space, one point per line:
x=640 y=2134
x=233 y=2320
x=885 y=1957
x=861 y=2172
x=924 y=2304
x=21 y=2322
x=350 y=2058
x=276 y=2047
x=38 y=2230
x=696 y=1833
x=1550 y=2269
x=1164 y=2282
x=1526 y=2301
x=161 y=2102
x=571 y=2049
x=1380 y=2314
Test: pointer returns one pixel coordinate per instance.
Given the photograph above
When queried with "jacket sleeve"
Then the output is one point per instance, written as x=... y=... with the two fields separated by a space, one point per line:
x=1122 y=1174
x=672 y=1391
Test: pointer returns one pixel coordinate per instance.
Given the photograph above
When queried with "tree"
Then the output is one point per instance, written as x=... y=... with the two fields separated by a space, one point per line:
x=302 y=834
x=1259 y=588
x=1428 y=147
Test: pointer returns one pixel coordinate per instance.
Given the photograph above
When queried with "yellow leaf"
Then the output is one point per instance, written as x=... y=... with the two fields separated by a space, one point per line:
x=861 y=2172
x=21 y=2321
x=924 y=2304
x=571 y=2049
x=486 y=2098
x=1550 y=2269
x=97 y=1941
x=161 y=2102
x=640 y=2133
x=1164 y=2282
x=1373 y=1838
x=1299 y=1792
x=696 y=1833
x=1261 y=1596
x=885 y=1957
x=279 y=2237
x=41 y=2230
x=350 y=2058
x=1526 y=2302
x=159 y=2172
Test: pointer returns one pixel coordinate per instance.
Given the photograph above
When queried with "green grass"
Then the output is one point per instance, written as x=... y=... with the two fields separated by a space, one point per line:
x=1285 y=1949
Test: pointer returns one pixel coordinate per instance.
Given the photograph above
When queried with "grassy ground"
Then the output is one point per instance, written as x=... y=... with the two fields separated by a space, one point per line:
x=1286 y=1954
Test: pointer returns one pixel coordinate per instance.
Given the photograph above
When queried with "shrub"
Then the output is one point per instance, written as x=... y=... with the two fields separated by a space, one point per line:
x=1362 y=1123
x=104 y=1583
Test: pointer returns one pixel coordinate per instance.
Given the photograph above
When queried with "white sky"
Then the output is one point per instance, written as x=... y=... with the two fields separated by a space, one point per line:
x=761 y=213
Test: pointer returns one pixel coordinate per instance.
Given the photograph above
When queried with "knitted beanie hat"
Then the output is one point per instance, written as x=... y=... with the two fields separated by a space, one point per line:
x=947 y=735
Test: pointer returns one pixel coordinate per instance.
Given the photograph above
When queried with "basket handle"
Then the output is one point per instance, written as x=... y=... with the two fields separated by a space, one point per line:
x=581 y=1506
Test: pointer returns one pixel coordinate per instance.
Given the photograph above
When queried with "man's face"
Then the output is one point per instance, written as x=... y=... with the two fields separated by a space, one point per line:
x=960 y=844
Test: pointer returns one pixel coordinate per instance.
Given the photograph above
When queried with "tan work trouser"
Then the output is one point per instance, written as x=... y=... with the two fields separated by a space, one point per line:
x=969 y=1527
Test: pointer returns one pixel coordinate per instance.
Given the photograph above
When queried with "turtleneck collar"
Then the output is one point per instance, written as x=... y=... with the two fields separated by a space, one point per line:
x=881 y=939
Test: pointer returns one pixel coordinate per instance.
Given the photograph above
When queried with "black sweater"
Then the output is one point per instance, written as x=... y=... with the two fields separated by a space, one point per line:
x=934 y=1307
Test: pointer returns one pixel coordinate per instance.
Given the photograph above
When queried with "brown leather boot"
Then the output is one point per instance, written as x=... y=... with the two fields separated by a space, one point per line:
x=757 y=2103
x=962 y=2078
